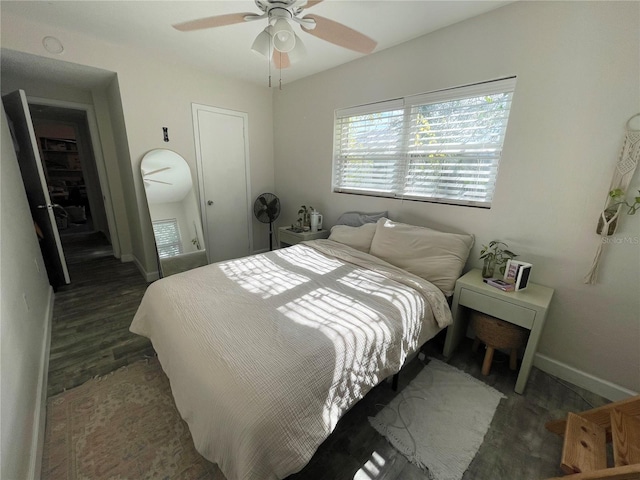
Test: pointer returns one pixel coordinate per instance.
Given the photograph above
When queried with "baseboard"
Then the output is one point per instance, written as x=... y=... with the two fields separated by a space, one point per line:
x=262 y=250
x=127 y=257
x=148 y=276
x=582 y=379
x=40 y=413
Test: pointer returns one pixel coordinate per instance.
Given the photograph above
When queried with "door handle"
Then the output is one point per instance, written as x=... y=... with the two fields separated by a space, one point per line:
x=50 y=206
x=210 y=202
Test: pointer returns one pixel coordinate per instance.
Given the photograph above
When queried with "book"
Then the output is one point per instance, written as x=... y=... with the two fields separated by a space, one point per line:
x=501 y=284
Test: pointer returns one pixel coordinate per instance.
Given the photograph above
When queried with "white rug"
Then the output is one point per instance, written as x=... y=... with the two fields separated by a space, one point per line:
x=439 y=420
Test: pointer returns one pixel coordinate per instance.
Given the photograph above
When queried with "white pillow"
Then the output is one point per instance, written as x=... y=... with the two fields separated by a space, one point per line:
x=438 y=257
x=356 y=237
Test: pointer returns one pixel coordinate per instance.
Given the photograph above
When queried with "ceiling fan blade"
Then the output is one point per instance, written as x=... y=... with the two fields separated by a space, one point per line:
x=281 y=60
x=340 y=35
x=157 y=181
x=158 y=170
x=211 y=22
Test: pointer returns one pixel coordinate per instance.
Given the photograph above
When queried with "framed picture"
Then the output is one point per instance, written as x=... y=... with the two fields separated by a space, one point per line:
x=517 y=273
x=511 y=272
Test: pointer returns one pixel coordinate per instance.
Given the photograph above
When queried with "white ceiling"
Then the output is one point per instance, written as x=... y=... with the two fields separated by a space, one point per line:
x=147 y=25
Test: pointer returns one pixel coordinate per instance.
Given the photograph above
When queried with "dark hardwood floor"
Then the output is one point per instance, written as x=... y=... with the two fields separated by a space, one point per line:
x=91 y=337
x=91 y=316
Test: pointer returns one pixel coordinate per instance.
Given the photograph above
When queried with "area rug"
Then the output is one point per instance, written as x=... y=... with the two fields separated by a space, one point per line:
x=439 y=420
x=121 y=426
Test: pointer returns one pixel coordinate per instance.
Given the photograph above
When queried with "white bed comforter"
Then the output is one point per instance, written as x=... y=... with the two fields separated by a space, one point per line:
x=266 y=353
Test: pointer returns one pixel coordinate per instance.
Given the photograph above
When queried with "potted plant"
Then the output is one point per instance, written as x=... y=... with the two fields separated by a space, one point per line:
x=304 y=219
x=617 y=199
x=495 y=255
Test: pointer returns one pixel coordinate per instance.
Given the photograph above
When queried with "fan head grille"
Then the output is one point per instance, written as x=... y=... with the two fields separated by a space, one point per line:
x=266 y=208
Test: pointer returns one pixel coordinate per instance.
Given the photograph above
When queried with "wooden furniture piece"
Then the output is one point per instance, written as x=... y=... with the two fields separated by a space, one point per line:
x=497 y=334
x=525 y=308
x=287 y=237
x=586 y=434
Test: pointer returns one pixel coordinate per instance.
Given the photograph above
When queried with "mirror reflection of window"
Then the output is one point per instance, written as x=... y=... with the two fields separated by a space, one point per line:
x=168 y=240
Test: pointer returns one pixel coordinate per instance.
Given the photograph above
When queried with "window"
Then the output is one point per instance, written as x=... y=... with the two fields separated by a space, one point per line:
x=443 y=146
x=168 y=239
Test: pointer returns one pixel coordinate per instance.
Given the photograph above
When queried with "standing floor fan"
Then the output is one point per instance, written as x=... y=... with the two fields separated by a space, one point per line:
x=266 y=208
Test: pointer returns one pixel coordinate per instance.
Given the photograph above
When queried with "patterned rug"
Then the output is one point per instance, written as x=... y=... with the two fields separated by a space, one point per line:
x=121 y=426
x=439 y=420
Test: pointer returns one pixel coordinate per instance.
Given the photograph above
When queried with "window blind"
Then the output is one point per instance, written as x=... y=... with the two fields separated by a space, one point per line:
x=444 y=146
x=167 y=234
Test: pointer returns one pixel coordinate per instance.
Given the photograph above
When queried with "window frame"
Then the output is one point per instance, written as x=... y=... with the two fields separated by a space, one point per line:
x=401 y=162
x=177 y=243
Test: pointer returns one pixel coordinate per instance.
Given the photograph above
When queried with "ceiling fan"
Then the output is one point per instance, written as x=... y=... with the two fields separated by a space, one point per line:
x=278 y=40
x=147 y=181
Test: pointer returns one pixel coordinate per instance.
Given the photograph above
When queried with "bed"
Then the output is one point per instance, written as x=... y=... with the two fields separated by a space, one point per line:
x=265 y=353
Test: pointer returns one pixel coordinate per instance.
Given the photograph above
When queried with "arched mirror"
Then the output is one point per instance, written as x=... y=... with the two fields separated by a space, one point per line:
x=173 y=208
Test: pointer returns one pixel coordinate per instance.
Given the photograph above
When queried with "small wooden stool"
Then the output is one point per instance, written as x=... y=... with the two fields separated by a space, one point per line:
x=495 y=333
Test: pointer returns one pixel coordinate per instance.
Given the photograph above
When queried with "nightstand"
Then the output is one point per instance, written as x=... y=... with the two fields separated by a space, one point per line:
x=287 y=237
x=526 y=308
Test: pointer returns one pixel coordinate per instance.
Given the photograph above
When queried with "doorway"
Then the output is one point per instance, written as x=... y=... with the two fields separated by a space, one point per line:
x=68 y=160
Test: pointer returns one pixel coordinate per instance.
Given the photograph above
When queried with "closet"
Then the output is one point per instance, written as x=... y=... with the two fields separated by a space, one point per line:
x=222 y=153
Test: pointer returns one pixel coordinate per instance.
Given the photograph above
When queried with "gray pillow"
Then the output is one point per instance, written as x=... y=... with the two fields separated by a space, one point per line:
x=355 y=219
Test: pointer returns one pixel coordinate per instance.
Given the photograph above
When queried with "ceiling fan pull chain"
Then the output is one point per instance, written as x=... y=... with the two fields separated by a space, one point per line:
x=269 y=57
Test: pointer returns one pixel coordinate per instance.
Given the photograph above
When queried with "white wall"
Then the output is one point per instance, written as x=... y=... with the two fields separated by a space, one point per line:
x=157 y=93
x=578 y=73
x=26 y=300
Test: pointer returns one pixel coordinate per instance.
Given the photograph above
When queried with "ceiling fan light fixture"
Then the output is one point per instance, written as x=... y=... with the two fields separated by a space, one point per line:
x=284 y=39
x=263 y=44
x=298 y=52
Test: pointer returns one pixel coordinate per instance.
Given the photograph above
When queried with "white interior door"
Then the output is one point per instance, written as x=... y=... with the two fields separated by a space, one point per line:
x=223 y=170
x=35 y=183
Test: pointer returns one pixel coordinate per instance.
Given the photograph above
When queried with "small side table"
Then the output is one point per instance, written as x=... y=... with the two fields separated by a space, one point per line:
x=287 y=237
x=526 y=308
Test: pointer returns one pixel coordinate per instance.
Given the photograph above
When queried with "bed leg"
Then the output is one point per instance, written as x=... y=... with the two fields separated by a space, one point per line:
x=394 y=382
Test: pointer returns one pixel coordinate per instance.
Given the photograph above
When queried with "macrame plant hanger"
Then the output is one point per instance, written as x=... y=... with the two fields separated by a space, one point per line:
x=626 y=166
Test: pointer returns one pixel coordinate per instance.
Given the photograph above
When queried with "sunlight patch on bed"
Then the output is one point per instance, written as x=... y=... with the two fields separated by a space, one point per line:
x=261 y=276
x=408 y=305
x=360 y=336
x=309 y=259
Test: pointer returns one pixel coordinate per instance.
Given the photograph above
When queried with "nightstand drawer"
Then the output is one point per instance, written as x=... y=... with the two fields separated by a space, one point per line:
x=504 y=310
